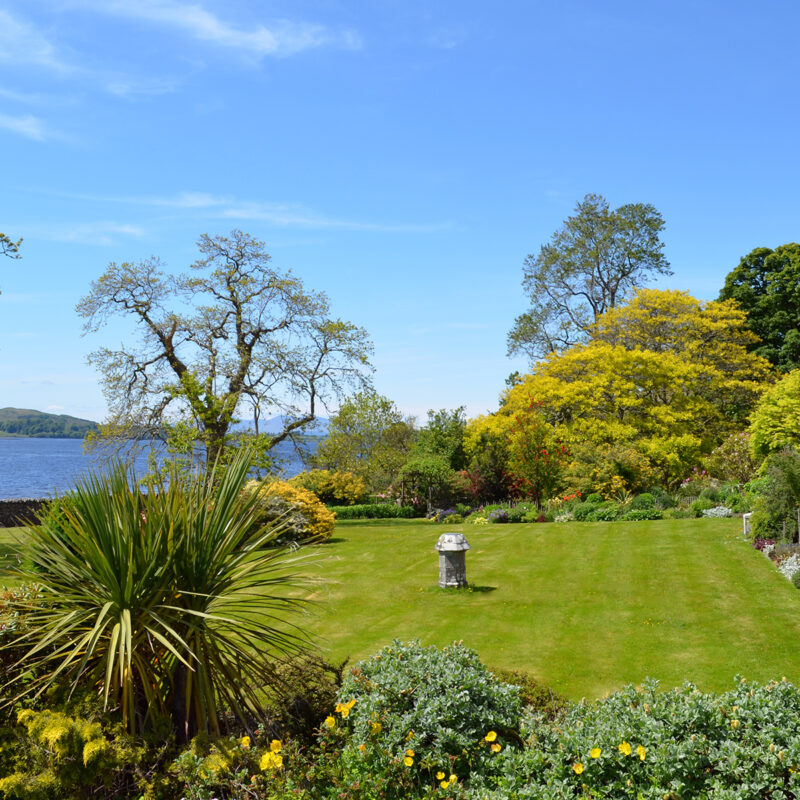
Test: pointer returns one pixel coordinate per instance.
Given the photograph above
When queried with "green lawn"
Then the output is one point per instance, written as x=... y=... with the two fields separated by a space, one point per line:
x=583 y=607
x=6 y=557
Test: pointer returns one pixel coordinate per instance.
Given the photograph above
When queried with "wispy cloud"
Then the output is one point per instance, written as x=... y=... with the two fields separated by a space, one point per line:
x=284 y=216
x=140 y=89
x=280 y=215
x=28 y=126
x=94 y=233
x=284 y=37
x=22 y=43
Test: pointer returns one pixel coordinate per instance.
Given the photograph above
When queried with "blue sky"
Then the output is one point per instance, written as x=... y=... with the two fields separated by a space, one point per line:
x=403 y=157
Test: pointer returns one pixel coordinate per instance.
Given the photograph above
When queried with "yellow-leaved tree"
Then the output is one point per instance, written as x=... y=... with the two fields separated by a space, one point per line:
x=662 y=380
x=776 y=419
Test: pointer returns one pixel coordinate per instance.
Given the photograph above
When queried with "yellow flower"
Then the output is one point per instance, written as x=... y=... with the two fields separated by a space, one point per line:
x=362 y=747
x=641 y=752
x=409 y=736
x=440 y=776
x=275 y=746
x=271 y=760
x=577 y=768
x=735 y=724
x=444 y=784
x=410 y=753
x=350 y=703
x=497 y=747
x=245 y=742
x=453 y=778
x=344 y=708
x=625 y=749
x=376 y=728
x=595 y=752
x=408 y=761
x=490 y=737
x=330 y=722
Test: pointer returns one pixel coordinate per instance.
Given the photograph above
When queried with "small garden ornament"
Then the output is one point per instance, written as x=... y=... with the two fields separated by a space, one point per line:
x=452 y=549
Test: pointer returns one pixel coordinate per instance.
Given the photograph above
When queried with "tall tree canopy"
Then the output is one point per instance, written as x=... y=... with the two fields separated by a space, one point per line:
x=232 y=334
x=443 y=435
x=592 y=263
x=664 y=374
x=775 y=422
x=369 y=437
x=767 y=286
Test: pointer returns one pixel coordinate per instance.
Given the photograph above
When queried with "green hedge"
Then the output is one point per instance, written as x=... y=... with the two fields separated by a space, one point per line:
x=374 y=511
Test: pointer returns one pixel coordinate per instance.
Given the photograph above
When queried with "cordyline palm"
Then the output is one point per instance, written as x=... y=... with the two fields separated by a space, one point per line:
x=165 y=600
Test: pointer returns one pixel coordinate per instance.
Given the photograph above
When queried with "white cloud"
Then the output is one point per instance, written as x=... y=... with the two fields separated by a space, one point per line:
x=96 y=233
x=282 y=38
x=285 y=216
x=21 y=43
x=134 y=89
x=185 y=200
x=28 y=126
x=281 y=215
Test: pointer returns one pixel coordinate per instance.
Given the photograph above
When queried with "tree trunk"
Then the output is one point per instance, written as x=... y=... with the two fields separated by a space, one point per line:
x=180 y=723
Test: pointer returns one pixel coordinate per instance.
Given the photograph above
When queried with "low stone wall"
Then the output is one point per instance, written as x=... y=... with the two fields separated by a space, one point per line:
x=17 y=512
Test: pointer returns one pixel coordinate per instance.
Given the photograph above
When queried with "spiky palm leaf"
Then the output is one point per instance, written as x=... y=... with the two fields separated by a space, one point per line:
x=167 y=600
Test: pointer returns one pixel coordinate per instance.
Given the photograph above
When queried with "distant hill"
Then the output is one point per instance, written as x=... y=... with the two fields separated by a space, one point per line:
x=38 y=424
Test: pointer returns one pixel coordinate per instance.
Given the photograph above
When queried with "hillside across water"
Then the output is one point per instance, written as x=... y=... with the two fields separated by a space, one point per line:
x=39 y=424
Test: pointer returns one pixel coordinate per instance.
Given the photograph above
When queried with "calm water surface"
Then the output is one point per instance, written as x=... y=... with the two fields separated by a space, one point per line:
x=43 y=467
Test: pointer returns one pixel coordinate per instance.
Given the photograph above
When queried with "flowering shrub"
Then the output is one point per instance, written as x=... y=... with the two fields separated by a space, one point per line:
x=643 y=743
x=497 y=515
x=789 y=566
x=333 y=488
x=477 y=519
x=694 y=483
x=300 y=510
x=432 y=706
x=717 y=511
x=232 y=767
x=68 y=756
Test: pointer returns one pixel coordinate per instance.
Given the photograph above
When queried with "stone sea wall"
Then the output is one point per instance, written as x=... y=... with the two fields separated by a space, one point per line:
x=17 y=512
